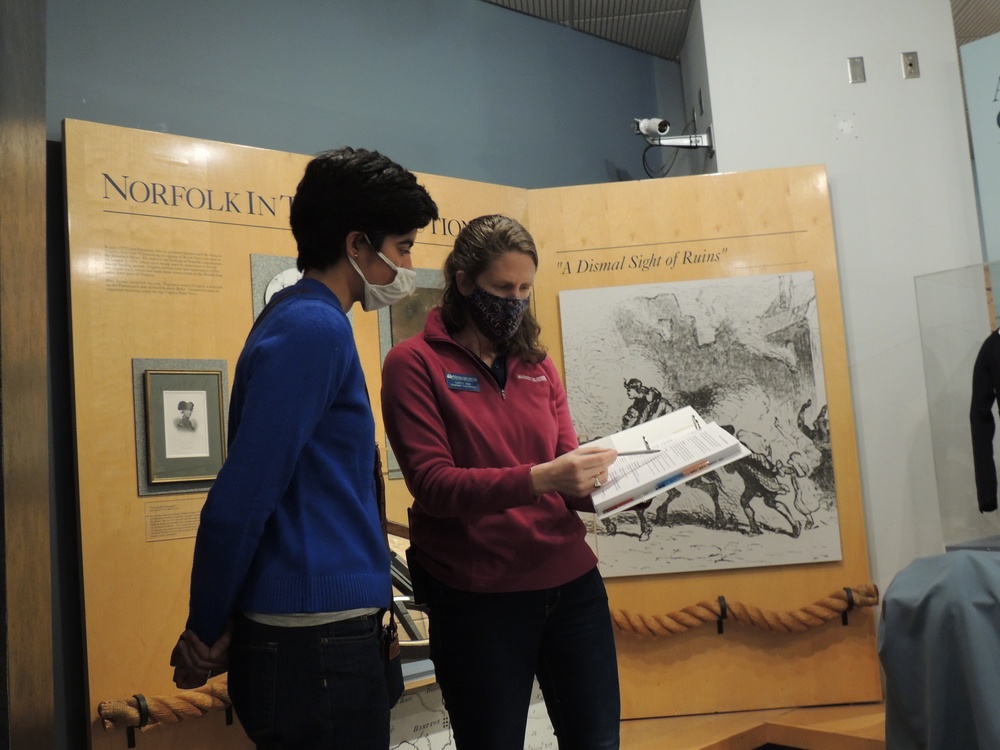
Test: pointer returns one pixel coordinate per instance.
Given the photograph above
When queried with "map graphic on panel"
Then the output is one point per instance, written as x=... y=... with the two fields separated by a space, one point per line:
x=743 y=352
x=420 y=722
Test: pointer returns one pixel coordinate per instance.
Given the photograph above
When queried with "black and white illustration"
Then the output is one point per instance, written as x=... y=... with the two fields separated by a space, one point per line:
x=743 y=352
x=420 y=722
x=181 y=434
x=270 y=274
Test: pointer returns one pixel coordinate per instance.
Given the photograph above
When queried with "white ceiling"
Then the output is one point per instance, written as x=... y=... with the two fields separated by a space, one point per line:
x=658 y=27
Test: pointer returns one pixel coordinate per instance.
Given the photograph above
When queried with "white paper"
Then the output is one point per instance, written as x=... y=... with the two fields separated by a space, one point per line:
x=686 y=446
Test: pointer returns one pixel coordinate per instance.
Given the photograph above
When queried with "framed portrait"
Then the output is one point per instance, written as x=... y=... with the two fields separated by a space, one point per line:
x=184 y=425
x=404 y=319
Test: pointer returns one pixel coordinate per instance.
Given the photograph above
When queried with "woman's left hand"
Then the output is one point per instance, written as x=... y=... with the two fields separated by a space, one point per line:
x=194 y=661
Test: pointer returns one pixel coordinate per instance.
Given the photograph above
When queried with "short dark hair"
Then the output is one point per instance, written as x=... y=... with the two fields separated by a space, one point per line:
x=480 y=242
x=353 y=189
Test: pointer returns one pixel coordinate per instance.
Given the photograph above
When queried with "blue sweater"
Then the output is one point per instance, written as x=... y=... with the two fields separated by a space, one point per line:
x=291 y=523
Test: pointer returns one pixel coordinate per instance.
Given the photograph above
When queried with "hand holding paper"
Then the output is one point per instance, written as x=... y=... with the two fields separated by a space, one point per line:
x=576 y=473
x=660 y=454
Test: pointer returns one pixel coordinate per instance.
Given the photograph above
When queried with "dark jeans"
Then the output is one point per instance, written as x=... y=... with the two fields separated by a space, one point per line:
x=314 y=687
x=487 y=648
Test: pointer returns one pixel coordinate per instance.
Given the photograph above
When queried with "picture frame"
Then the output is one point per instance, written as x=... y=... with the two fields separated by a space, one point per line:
x=185 y=417
x=402 y=320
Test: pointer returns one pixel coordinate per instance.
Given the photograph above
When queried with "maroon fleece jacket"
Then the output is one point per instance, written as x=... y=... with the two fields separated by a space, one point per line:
x=465 y=447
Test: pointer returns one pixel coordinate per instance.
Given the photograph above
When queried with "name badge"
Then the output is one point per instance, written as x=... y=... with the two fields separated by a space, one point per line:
x=458 y=382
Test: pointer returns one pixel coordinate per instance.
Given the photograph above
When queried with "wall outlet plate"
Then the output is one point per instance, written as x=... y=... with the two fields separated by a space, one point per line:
x=856 y=69
x=911 y=65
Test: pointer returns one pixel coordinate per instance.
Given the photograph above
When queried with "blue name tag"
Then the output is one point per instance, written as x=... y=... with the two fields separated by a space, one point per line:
x=458 y=382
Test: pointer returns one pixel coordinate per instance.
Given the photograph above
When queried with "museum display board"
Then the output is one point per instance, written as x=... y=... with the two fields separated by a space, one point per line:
x=174 y=244
x=721 y=291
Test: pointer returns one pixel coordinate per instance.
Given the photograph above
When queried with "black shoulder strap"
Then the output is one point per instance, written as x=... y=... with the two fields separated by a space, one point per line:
x=276 y=298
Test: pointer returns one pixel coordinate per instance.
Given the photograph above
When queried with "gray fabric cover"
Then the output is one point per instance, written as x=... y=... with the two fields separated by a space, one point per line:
x=939 y=644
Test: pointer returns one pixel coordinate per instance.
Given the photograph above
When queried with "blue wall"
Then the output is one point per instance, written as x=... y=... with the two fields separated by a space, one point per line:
x=450 y=87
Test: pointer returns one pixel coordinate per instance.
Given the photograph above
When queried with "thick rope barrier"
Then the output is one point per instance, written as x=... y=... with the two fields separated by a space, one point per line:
x=147 y=713
x=719 y=611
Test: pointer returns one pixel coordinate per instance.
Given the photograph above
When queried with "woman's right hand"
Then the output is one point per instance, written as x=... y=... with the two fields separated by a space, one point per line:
x=577 y=473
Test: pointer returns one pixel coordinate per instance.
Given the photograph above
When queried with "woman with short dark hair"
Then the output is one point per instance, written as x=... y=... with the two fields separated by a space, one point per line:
x=290 y=562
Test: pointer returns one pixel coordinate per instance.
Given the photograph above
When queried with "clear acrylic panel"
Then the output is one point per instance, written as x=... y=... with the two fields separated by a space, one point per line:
x=956 y=314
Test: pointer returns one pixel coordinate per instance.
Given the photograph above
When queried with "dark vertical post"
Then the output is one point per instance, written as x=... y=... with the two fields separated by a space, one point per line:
x=27 y=705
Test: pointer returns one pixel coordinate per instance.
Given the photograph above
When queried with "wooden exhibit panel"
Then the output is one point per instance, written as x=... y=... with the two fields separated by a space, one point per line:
x=713 y=227
x=161 y=233
x=854 y=727
x=165 y=234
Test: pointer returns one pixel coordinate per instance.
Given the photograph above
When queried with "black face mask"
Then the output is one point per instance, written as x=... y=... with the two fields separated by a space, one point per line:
x=498 y=318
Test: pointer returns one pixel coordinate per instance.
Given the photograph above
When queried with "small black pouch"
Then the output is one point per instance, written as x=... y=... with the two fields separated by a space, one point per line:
x=418 y=578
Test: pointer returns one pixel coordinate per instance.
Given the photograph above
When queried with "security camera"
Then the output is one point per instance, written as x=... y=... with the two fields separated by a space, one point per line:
x=655 y=130
x=652 y=126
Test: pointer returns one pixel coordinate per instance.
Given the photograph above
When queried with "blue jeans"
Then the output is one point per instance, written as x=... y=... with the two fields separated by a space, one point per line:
x=487 y=648
x=313 y=687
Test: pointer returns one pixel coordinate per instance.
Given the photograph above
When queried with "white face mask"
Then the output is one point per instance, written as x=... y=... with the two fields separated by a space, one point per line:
x=378 y=296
